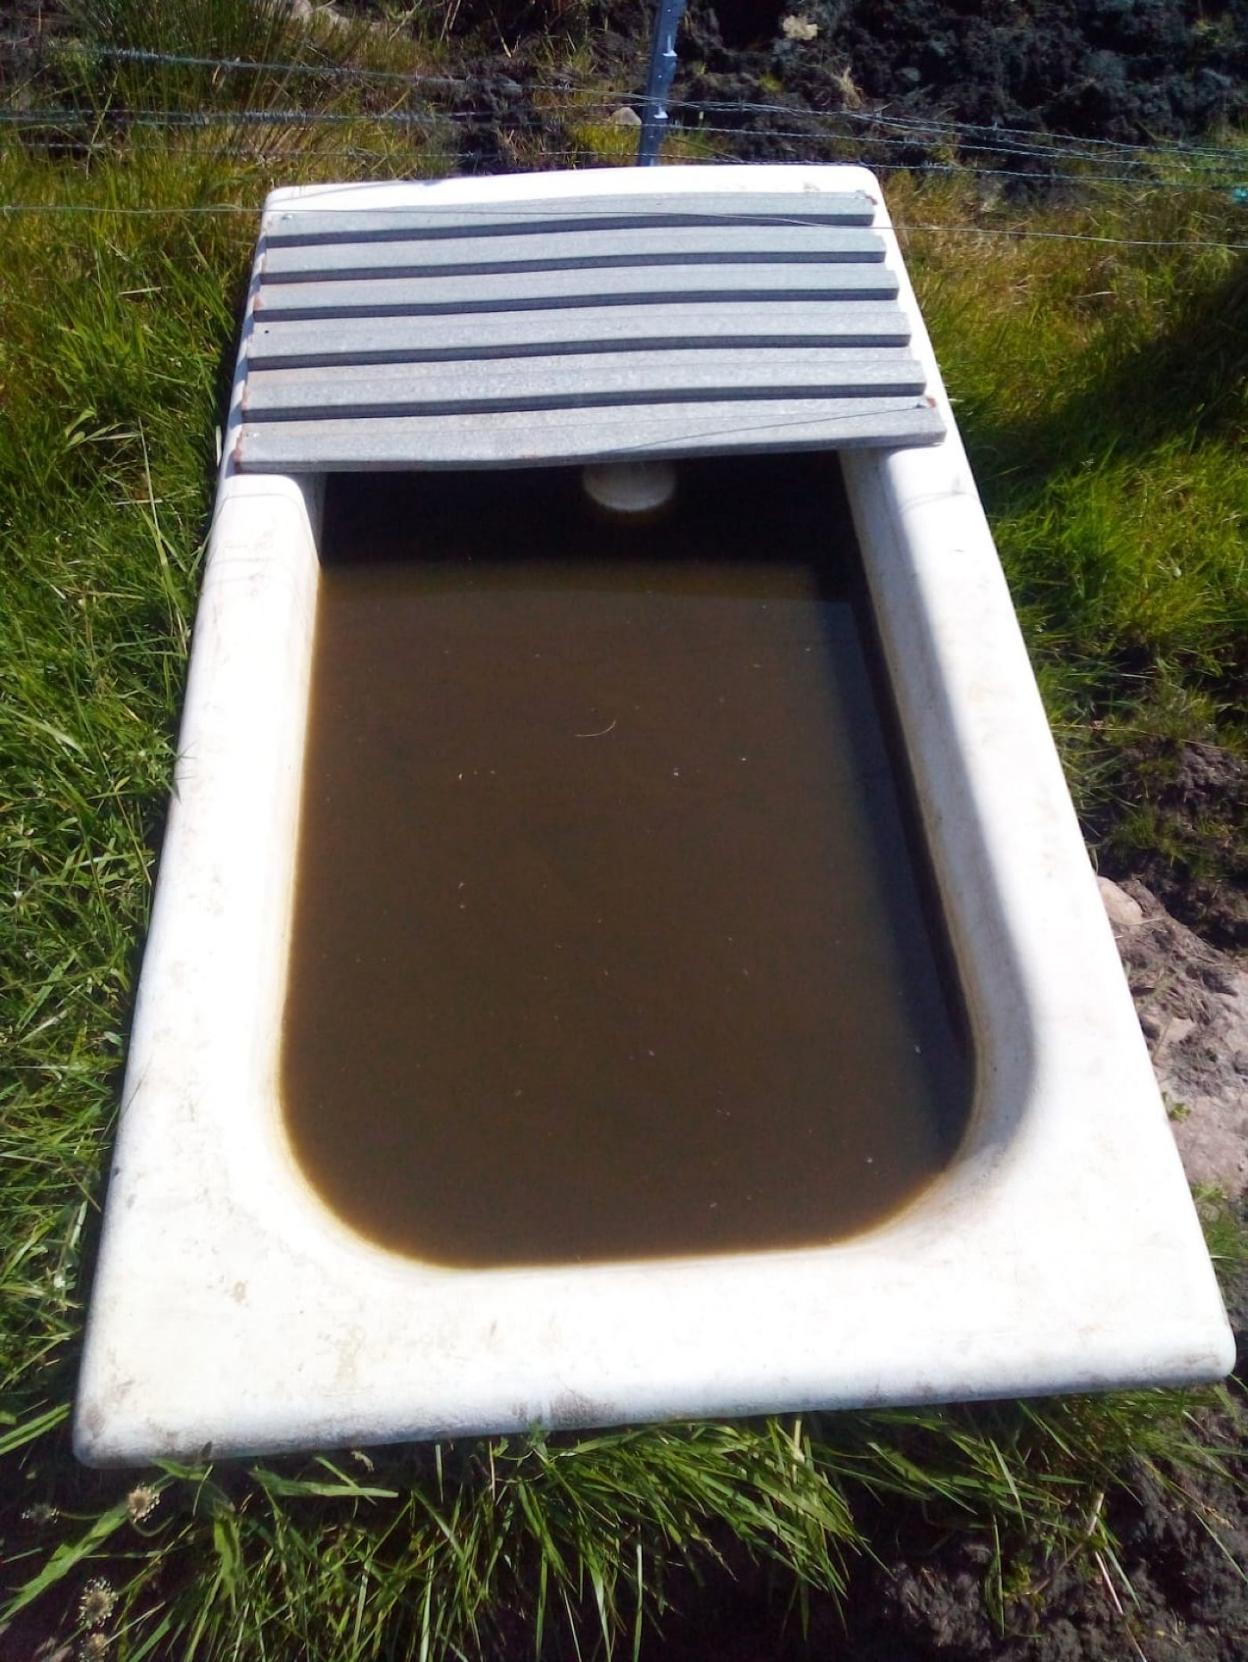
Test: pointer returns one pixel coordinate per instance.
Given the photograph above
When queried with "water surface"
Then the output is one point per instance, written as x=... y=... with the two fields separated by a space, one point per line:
x=608 y=938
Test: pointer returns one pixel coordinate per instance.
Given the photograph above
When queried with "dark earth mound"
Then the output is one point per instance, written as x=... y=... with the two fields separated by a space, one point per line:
x=1123 y=70
x=1132 y=70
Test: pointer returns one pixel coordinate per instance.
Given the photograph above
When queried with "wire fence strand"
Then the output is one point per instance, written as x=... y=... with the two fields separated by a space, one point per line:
x=953 y=128
x=990 y=136
x=1060 y=160
x=181 y=118
x=31 y=123
x=254 y=66
x=512 y=210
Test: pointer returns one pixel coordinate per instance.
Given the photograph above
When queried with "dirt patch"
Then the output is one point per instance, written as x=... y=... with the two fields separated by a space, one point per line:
x=1189 y=1597
x=1129 y=70
x=771 y=73
x=1121 y=69
x=1178 y=1593
x=931 y=1596
x=1193 y=1007
x=1179 y=824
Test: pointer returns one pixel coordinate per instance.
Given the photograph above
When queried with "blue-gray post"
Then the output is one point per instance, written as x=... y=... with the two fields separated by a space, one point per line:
x=667 y=16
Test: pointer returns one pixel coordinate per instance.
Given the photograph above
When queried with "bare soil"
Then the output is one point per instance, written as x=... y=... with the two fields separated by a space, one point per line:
x=1125 y=70
x=1190 y=801
x=1119 y=69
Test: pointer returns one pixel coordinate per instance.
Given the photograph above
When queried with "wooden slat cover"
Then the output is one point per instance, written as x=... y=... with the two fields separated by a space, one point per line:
x=483 y=335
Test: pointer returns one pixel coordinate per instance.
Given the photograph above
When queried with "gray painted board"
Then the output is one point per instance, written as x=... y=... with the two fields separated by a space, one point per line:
x=576 y=250
x=534 y=438
x=289 y=226
x=590 y=382
x=695 y=324
x=397 y=297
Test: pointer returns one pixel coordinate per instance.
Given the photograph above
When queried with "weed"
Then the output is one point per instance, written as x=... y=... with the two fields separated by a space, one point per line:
x=612 y=144
x=847 y=86
x=1225 y=1233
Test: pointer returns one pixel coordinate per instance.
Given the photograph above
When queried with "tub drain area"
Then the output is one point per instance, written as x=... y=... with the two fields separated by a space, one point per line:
x=612 y=938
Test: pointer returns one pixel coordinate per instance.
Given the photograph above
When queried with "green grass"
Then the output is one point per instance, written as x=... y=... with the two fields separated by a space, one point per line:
x=443 y=1552
x=1101 y=392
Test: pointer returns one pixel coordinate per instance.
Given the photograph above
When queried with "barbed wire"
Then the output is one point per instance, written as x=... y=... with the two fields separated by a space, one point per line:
x=87 y=149
x=915 y=123
x=93 y=147
x=1068 y=153
x=465 y=121
x=1059 y=156
x=1035 y=175
x=1037 y=143
x=1072 y=236
x=38 y=118
x=513 y=210
x=241 y=118
x=346 y=72
x=174 y=120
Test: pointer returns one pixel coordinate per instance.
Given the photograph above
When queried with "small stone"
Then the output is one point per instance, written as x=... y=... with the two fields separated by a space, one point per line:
x=1177 y=1029
x=624 y=117
x=798 y=28
x=307 y=12
x=1124 y=912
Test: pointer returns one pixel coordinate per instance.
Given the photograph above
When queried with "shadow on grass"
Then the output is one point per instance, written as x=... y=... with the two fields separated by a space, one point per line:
x=1188 y=381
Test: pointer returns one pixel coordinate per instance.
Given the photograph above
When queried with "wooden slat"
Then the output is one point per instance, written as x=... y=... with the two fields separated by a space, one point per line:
x=427 y=296
x=575 y=251
x=539 y=437
x=288 y=227
x=703 y=326
x=587 y=382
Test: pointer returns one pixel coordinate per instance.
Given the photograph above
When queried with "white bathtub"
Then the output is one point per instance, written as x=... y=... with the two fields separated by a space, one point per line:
x=232 y=1312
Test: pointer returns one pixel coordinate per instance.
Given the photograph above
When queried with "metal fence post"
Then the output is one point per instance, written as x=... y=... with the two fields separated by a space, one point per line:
x=667 y=16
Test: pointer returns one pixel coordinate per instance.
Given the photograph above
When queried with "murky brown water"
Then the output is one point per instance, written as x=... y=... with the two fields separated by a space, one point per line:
x=608 y=941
